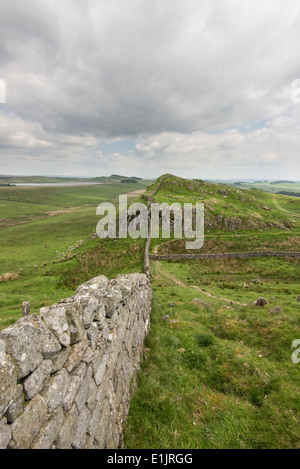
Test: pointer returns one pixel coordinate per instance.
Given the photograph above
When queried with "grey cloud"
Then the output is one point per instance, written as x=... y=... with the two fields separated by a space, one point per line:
x=119 y=68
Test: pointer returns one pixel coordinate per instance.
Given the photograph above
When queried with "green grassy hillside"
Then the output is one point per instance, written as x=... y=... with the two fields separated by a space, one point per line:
x=48 y=247
x=231 y=209
x=218 y=371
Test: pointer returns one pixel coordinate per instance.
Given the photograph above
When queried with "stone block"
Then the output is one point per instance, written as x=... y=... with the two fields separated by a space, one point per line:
x=56 y=320
x=56 y=389
x=36 y=380
x=81 y=432
x=5 y=434
x=75 y=380
x=26 y=427
x=8 y=383
x=47 y=435
x=81 y=396
x=16 y=407
x=68 y=430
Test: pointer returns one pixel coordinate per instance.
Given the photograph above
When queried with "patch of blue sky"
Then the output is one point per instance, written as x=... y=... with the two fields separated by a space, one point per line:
x=4 y=108
x=122 y=146
x=243 y=129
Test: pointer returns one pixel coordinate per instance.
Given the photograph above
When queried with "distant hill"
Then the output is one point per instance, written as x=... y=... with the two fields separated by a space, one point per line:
x=228 y=208
x=53 y=179
x=293 y=194
x=282 y=182
x=282 y=186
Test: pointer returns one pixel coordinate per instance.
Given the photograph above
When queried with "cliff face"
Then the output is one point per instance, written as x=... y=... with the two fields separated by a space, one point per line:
x=67 y=374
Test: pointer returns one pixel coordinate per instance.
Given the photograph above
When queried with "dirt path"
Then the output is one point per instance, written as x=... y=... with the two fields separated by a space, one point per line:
x=283 y=209
x=155 y=249
x=177 y=281
x=135 y=193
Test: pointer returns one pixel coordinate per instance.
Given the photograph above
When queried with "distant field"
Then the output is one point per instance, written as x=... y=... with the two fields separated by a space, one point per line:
x=269 y=186
x=48 y=179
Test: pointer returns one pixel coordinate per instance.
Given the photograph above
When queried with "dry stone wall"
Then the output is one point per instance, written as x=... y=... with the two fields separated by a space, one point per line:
x=67 y=374
x=228 y=255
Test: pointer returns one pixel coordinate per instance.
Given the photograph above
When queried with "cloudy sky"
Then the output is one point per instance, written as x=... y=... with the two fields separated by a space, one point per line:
x=197 y=88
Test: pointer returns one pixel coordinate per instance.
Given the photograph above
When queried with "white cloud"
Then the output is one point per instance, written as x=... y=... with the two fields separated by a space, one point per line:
x=201 y=86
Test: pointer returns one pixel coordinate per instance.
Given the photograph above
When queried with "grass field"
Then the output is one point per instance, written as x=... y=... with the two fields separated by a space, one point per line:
x=45 y=239
x=218 y=375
